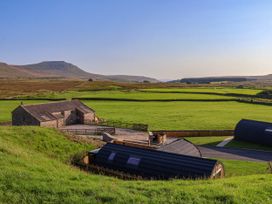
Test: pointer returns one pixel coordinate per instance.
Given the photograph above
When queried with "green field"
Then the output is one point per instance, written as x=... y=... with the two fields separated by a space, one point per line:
x=35 y=169
x=169 y=115
x=182 y=115
x=216 y=90
x=129 y=94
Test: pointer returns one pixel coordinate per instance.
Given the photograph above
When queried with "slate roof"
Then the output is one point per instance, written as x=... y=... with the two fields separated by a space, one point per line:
x=181 y=146
x=152 y=163
x=44 y=112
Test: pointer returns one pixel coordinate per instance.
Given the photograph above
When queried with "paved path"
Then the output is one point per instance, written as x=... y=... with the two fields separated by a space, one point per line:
x=235 y=154
x=225 y=141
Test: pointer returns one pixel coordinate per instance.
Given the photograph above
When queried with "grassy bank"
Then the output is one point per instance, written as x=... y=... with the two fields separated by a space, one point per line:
x=35 y=169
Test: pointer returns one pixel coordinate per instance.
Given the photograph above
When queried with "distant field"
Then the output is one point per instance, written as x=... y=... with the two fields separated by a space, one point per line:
x=218 y=90
x=35 y=169
x=132 y=94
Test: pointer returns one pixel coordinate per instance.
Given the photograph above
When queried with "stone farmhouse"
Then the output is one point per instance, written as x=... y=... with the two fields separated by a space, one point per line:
x=56 y=114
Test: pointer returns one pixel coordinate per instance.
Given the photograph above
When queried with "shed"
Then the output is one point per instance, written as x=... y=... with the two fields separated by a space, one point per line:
x=154 y=164
x=254 y=131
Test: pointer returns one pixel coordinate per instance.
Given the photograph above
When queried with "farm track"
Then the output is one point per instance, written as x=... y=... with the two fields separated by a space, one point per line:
x=235 y=153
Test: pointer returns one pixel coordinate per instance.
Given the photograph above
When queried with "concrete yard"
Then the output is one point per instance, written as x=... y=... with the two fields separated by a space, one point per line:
x=120 y=133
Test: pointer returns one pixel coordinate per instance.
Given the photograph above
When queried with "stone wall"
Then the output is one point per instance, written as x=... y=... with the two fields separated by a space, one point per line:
x=51 y=123
x=89 y=118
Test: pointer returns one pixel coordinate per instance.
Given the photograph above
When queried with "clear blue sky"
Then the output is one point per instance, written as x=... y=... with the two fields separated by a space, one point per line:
x=160 y=38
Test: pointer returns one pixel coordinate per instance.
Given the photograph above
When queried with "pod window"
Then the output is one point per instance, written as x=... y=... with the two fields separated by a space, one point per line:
x=133 y=161
x=111 y=156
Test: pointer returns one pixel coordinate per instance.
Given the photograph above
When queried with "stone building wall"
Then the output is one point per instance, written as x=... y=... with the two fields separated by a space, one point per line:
x=22 y=117
x=89 y=118
x=51 y=123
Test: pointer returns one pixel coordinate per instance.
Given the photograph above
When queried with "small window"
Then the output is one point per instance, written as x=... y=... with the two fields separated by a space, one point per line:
x=111 y=157
x=133 y=161
x=268 y=130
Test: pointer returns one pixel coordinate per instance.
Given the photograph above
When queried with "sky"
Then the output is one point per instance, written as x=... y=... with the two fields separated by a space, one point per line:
x=165 y=39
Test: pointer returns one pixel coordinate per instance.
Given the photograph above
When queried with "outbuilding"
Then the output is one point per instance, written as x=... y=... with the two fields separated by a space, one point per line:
x=154 y=164
x=254 y=131
x=56 y=114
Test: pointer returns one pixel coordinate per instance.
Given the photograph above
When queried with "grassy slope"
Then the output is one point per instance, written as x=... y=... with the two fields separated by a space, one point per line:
x=34 y=169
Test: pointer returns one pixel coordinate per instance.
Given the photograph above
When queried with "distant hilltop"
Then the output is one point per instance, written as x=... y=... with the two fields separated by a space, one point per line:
x=62 y=69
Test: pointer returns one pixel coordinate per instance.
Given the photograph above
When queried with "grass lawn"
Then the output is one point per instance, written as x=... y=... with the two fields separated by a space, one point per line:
x=248 y=145
x=212 y=141
x=34 y=169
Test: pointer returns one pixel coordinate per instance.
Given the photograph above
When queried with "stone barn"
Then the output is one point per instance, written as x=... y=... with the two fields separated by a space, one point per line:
x=56 y=114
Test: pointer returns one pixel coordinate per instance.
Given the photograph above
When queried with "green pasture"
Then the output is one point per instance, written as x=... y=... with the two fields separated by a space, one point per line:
x=216 y=90
x=181 y=115
x=168 y=115
x=35 y=169
x=128 y=94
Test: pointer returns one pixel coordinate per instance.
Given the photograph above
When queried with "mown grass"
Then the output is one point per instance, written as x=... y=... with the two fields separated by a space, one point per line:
x=35 y=169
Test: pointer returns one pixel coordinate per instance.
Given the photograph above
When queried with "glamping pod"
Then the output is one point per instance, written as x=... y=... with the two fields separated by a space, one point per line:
x=154 y=164
x=181 y=146
x=254 y=131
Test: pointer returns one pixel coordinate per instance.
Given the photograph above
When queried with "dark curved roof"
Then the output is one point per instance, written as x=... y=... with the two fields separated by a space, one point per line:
x=43 y=112
x=152 y=163
x=181 y=146
x=254 y=131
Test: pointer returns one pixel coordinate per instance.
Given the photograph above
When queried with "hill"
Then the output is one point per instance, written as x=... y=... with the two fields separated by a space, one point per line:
x=35 y=168
x=61 y=69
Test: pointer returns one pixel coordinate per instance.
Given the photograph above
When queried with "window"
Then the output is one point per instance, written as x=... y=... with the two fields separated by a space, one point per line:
x=133 y=161
x=268 y=130
x=111 y=157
